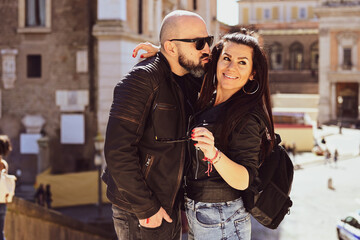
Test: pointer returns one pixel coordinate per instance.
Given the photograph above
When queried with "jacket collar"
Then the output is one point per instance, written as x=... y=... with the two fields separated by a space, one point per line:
x=163 y=59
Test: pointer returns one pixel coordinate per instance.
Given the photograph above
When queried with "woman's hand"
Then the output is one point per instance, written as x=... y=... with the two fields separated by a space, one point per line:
x=150 y=49
x=205 y=141
x=236 y=175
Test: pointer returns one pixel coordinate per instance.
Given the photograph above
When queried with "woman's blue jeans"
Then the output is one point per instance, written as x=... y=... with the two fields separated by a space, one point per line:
x=226 y=220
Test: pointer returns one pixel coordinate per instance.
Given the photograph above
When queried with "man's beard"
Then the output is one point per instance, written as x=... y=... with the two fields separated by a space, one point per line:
x=195 y=70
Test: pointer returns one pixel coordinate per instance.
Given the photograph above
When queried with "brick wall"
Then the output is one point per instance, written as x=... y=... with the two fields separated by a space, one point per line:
x=69 y=33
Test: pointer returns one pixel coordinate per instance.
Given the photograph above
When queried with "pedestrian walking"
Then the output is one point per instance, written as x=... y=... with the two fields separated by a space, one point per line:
x=293 y=152
x=336 y=155
x=40 y=195
x=327 y=156
x=48 y=196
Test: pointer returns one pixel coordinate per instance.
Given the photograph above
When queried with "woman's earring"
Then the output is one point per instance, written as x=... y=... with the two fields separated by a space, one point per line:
x=250 y=93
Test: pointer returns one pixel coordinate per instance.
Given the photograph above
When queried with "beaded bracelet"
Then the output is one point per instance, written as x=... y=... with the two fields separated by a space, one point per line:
x=218 y=159
x=212 y=161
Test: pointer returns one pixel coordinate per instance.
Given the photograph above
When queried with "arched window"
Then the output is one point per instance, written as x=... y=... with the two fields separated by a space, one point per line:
x=276 y=56
x=314 y=53
x=296 y=56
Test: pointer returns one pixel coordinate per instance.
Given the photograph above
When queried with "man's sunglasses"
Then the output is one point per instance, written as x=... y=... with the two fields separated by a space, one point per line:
x=181 y=139
x=199 y=42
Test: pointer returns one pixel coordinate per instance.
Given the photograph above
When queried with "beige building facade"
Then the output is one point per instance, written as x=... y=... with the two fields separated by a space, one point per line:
x=289 y=30
x=271 y=11
x=313 y=48
x=339 y=71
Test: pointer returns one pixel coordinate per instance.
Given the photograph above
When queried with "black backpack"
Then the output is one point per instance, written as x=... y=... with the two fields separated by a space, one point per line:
x=267 y=199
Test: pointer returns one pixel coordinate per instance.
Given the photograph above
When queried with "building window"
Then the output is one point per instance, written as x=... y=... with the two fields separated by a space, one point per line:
x=34 y=16
x=140 y=17
x=296 y=56
x=267 y=14
x=347 y=64
x=195 y=5
x=314 y=53
x=347 y=47
x=35 y=13
x=34 y=66
x=276 y=59
x=111 y=10
x=302 y=13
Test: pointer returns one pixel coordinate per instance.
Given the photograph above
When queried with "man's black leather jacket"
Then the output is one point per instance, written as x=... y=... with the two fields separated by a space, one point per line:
x=144 y=166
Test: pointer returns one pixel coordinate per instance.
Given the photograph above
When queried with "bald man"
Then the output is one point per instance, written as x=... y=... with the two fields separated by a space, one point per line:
x=146 y=135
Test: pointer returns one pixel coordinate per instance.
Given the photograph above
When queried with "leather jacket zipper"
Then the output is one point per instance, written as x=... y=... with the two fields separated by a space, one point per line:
x=148 y=164
x=182 y=157
x=197 y=164
x=197 y=154
x=164 y=106
x=186 y=170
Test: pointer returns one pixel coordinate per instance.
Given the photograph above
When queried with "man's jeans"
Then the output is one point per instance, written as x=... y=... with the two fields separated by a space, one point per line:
x=226 y=220
x=127 y=227
x=2 y=220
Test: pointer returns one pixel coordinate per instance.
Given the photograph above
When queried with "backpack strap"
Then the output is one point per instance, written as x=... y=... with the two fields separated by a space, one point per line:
x=277 y=136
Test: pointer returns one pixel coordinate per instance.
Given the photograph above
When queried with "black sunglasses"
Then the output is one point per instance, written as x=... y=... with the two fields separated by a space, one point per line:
x=199 y=42
x=170 y=140
x=181 y=139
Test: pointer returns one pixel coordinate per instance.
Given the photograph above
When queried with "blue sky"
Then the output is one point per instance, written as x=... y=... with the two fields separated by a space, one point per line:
x=227 y=11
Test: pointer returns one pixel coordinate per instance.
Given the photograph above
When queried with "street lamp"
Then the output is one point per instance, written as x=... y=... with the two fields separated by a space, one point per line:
x=340 y=101
x=99 y=146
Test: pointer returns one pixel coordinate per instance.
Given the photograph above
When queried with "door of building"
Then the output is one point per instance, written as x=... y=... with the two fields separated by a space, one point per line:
x=347 y=108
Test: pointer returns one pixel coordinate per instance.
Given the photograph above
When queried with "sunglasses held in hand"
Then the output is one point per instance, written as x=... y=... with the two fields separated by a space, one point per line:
x=199 y=42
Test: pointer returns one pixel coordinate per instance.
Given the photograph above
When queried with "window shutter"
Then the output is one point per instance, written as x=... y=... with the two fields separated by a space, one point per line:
x=245 y=16
x=258 y=13
x=310 y=12
x=275 y=13
x=294 y=13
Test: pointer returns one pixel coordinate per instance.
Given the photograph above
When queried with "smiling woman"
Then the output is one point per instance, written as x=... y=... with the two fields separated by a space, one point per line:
x=231 y=139
x=234 y=69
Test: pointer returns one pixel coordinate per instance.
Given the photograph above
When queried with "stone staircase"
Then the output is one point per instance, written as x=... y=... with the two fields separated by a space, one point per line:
x=28 y=221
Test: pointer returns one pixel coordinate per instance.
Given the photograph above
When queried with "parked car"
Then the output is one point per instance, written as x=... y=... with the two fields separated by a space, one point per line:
x=349 y=227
